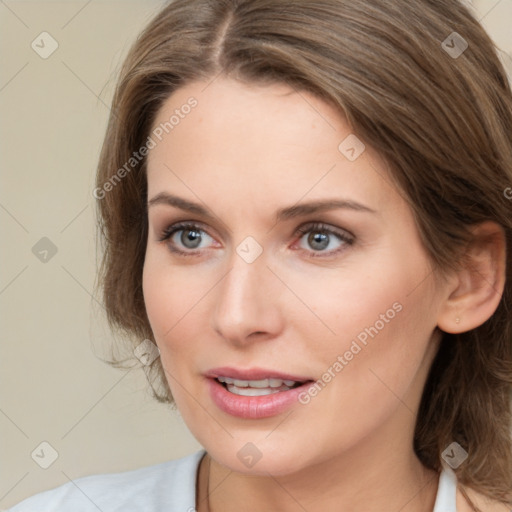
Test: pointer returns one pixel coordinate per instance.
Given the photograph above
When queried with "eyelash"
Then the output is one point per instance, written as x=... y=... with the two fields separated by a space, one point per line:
x=315 y=227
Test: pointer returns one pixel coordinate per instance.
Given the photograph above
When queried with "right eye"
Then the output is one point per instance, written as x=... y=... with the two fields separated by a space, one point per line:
x=186 y=238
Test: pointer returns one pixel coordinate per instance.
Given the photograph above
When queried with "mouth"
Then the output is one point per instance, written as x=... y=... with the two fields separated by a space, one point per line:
x=261 y=387
x=254 y=393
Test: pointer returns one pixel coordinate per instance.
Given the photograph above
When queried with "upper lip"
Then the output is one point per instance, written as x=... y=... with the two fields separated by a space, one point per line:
x=253 y=374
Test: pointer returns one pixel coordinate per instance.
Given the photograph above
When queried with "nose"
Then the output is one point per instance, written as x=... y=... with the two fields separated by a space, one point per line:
x=247 y=303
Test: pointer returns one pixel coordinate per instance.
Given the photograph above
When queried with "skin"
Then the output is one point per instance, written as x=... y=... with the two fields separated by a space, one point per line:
x=243 y=153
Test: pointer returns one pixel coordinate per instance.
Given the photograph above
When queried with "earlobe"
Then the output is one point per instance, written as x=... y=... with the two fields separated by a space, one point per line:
x=474 y=292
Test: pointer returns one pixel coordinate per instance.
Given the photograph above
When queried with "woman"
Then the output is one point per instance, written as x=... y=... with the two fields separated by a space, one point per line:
x=306 y=208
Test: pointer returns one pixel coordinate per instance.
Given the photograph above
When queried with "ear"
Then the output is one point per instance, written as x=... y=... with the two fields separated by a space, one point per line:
x=474 y=292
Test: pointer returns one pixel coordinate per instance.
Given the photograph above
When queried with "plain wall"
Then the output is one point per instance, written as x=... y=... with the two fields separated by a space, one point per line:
x=53 y=114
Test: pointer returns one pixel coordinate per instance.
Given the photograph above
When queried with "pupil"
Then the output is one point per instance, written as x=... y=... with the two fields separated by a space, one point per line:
x=318 y=241
x=190 y=238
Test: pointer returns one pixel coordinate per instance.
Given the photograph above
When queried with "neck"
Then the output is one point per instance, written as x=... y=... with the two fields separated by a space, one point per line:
x=361 y=484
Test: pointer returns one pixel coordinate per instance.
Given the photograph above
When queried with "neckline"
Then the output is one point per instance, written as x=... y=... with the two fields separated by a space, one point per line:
x=446 y=498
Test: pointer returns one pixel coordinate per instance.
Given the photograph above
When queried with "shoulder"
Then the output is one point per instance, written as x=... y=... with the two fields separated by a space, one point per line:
x=166 y=486
x=482 y=502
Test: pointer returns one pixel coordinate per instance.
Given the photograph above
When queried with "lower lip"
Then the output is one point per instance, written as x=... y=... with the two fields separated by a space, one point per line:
x=254 y=407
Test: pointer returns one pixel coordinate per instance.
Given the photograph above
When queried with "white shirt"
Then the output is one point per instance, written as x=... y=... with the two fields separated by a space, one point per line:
x=169 y=486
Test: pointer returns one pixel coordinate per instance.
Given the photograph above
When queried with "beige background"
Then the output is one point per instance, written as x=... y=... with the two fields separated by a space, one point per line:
x=53 y=114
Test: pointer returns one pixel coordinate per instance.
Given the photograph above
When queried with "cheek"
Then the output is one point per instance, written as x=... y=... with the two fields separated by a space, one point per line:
x=377 y=322
x=170 y=293
x=373 y=297
x=166 y=309
x=158 y=300
x=165 y=305
x=175 y=300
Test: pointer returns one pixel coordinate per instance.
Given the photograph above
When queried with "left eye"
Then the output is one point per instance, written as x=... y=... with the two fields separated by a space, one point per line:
x=322 y=239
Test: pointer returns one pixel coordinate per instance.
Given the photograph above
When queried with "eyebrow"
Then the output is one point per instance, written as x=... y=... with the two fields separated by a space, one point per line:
x=289 y=212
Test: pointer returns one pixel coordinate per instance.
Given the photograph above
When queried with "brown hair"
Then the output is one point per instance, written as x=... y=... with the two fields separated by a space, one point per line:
x=441 y=121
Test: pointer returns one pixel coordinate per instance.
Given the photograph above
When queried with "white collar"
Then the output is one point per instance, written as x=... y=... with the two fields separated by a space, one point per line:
x=446 y=499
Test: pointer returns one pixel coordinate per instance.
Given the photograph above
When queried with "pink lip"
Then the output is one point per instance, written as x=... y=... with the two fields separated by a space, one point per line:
x=253 y=374
x=253 y=407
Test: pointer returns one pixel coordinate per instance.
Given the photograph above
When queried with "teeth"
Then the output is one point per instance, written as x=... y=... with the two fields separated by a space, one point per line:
x=260 y=387
x=251 y=391
x=258 y=384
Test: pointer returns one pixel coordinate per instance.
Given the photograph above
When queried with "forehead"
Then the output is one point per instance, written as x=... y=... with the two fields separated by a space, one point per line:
x=262 y=145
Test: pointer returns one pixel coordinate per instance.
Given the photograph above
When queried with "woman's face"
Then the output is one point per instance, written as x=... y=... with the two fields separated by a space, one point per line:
x=278 y=249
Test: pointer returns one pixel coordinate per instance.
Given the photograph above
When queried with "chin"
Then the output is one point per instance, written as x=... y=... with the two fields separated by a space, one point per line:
x=258 y=459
